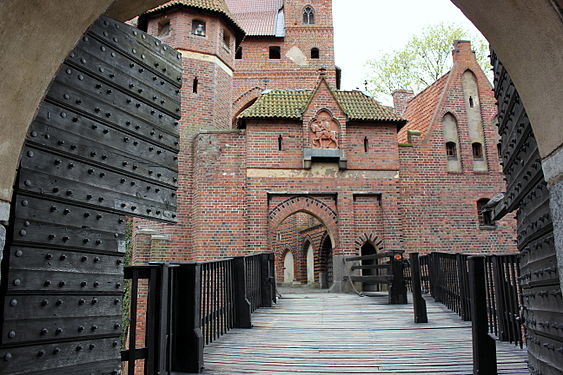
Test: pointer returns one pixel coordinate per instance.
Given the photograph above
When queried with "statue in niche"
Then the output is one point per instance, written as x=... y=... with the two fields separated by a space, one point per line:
x=324 y=131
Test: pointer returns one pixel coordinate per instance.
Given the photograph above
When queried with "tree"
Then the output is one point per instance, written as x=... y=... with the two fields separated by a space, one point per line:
x=423 y=59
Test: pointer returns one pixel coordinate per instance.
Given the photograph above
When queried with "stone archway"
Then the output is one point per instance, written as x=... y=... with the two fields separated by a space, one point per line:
x=313 y=206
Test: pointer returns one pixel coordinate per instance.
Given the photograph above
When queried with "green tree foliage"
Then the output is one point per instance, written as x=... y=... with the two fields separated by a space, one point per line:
x=424 y=59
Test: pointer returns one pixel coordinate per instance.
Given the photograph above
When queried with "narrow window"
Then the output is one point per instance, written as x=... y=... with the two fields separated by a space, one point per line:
x=366 y=144
x=198 y=28
x=471 y=101
x=485 y=215
x=238 y=53
x=451 y=150
x=308 y=15
x=163 y=28
x=194 y=85
x=226 y=40
x=275 y=52
x=477 y=151
x=314 y=53
x=280 y=140
x=499 y=151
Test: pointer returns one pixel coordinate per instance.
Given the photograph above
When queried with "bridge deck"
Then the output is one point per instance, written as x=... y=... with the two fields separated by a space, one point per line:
x=320 y=333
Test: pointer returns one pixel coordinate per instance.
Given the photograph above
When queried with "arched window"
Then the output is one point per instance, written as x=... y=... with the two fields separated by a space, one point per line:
x=477 y=150
x=315 y=53
x=451 y=150
x=198 y=28
x=308 y=15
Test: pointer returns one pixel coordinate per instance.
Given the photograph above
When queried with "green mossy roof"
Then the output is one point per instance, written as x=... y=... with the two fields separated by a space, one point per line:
x=291 y=105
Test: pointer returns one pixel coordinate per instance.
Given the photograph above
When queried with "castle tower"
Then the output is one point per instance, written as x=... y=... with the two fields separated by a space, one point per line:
x=286 y=43
x=207 y=36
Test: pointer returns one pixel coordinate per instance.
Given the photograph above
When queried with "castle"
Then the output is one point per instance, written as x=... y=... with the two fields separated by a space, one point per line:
x=275 y=157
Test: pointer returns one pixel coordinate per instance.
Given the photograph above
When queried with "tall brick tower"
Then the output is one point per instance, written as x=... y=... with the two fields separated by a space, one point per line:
x=207 y=35
x=286 y=43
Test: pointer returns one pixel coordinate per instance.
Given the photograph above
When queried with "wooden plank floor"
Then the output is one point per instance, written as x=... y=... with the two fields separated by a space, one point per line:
x=321 y=333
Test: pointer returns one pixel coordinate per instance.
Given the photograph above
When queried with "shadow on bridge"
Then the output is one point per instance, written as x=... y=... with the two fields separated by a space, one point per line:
x=308 y=332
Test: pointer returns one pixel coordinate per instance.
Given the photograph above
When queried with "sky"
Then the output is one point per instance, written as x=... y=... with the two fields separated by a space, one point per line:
x=364 y=29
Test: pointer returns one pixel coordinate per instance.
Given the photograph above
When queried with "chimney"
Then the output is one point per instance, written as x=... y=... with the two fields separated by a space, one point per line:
x=401 y=99
x=462 y=51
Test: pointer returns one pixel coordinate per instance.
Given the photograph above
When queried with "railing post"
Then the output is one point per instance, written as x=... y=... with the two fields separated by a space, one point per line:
x=242 y=304
x=484 y=346
x=186 y=336
x=267 y=281
x=418 y=302
x=398 y=290
x=462 y=279
x=500 y=297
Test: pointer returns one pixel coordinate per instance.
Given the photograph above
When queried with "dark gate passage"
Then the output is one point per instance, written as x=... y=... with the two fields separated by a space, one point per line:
x=103 y=145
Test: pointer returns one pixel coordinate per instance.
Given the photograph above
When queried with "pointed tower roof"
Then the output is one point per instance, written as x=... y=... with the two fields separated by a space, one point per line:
x=215 y=6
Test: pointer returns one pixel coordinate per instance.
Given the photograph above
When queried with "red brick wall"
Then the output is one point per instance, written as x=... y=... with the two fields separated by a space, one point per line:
x=439 y=208
x=285 y=73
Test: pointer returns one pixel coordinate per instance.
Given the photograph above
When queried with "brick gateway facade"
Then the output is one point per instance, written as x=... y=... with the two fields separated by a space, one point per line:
x=265 y=134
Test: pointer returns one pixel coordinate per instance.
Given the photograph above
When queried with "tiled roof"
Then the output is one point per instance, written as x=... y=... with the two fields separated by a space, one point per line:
x=291 y=105
x=258 y=17
x=218 y=6
x=421 y=108
x=359 y=106
x=278 y=104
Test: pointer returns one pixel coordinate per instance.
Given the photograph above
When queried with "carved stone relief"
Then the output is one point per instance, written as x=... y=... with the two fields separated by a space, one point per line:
x=324 y=131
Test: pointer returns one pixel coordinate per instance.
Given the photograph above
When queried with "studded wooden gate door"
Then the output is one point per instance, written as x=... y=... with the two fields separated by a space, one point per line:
x=102 y=147
x=528 y=195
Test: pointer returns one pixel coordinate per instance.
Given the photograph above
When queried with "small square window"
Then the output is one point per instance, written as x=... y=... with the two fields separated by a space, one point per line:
x=226 y=40
x=477 y=149
x=451 y=150
x=315 y=53
x=198 y=28
x=275 y=52
x=163 y=28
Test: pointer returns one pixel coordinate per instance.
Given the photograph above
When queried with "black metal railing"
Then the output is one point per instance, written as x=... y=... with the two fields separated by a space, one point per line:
x=145 y=284
x=446 y=277
x=190 y=305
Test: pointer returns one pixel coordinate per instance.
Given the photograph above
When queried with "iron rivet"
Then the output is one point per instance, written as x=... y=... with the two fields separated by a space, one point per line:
x=19 y=253
x=47 y=283
x=83 y=284
x=116 y=301
x=23 y=233
x=8 y=356
x=44 y=302
x=58 y=331
x=43 y=332
x=17 y=282
x=49 y=256
x=41 y=353
x=84 y=258
x=62 y=257
x=25 y=203
x=61 y=284
x=13 y=302
x=56 y=351
x=96 y=259
x=11 y=334
x=81 y=301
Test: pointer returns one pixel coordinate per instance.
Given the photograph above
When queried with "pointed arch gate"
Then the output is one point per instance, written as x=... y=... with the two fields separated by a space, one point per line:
x=103 y=146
